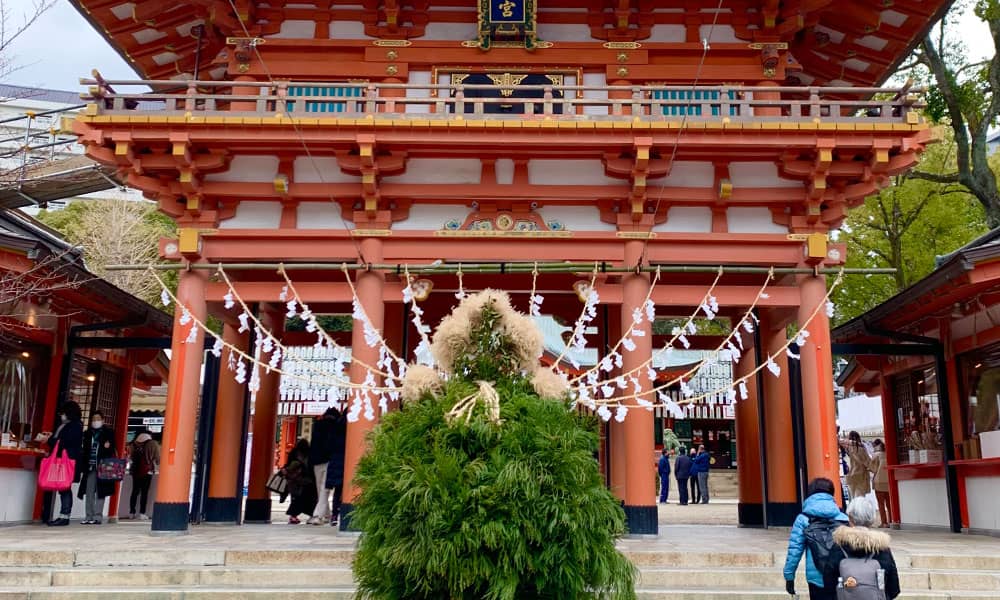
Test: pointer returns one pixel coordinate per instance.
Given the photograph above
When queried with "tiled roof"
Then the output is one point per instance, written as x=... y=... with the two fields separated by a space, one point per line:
x=39 y=94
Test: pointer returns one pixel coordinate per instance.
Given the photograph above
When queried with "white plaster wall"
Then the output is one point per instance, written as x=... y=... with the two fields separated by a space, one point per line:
x=687 y=219
x=870 y=41
x=18 y=497
x=687 y=173
x=248 y=168
x=123 y=11
x=439 y=170
x=758 y=174
x=667 y=33
x=719 y=34
x=450 y=31
x=575 y=172
x=323 y=214
x=505 y=171
x=348 y=30
x=144 y=36
x=984 y=510
x=752 y=219
x=254 y=215
x=564 y=32
x=923 y=502
x=296 y=30
x=431 y=217
x=321 y=169
x=894 y=18
x=595 y=79
x=576 y=218
x=419 y=78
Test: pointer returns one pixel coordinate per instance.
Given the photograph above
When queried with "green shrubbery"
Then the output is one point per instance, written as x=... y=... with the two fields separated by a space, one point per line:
x=509 y=510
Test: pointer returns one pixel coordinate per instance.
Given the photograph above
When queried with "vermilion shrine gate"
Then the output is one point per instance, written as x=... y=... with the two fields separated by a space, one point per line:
x=393 y=135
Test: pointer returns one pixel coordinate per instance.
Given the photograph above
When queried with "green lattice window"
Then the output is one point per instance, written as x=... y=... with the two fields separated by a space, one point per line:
x=339 y=98
x=713 y=98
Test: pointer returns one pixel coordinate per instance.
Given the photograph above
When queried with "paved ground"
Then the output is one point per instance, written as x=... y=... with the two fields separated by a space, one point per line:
x=696 y=528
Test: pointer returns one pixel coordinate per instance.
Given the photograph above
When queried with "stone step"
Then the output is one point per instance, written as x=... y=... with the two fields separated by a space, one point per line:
x=761 y=578
x=978 y=562
x=153 y=593
x=345 y=593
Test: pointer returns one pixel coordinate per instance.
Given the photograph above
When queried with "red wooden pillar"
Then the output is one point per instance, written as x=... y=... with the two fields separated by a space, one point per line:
x=56 y=360
x=121 y=430
x=173 y=495
x=223 y=503
x=369 y=288
x=751 y=493
x=640 y=484
x=889 y=423
x=818 y=406
x=265 y=418
x=782 y=495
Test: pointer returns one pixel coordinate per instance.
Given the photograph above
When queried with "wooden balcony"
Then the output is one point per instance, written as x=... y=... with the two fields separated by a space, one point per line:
x=689 y=104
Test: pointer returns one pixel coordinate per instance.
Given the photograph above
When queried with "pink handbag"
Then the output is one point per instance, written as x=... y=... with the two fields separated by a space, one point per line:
x=57 y=471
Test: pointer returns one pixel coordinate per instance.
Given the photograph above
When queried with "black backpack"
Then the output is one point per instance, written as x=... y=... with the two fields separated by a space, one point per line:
x=819 y=540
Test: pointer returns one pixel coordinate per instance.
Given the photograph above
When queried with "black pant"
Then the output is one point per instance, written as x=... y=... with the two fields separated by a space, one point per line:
x=65 y=503
x=818 y=593
x=140 y=491
x=682 y=488
x=695 y=489
x=338 y=491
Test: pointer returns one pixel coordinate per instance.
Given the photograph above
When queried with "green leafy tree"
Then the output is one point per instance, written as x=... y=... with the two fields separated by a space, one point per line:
x=476 y=509
x=964 y=95
x=906 y=227
x=117 y=232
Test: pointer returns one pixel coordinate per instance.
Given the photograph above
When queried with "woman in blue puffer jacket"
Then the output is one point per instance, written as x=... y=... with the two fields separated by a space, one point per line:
x=819 y=503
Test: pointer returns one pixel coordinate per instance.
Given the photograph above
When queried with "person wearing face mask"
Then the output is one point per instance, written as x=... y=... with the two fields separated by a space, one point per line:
x=69 y=437
x=98 y=443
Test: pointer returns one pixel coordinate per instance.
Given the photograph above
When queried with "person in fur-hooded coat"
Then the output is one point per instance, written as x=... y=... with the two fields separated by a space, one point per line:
x=860 y=541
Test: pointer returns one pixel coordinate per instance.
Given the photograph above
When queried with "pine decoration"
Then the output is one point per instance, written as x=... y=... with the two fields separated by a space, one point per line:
x=460 y=502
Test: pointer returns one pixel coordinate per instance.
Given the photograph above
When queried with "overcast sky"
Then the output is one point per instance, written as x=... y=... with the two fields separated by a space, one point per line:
x=62 y=47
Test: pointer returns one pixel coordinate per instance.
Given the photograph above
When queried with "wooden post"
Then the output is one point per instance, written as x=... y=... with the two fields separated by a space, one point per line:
x=222 y=504
x=170 y=511
x=640 y=484
x=369 y=288
x=258 y=505
x=818 y=405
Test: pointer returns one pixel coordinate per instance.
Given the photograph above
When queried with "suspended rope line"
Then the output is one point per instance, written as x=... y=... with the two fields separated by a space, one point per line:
x=222 y=344
x=705 y=45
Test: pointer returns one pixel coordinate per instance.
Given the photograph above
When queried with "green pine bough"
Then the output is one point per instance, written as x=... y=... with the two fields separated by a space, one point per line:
x=473 y=509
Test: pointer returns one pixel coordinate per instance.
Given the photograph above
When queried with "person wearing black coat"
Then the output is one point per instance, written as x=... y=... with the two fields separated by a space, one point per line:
x=69 y=439
x=301 y=486
x=320 y=453
x=335 y=470
x=98 y=444
x=682 y=470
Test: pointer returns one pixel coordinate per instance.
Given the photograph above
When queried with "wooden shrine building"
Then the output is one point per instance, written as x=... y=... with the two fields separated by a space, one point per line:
x=398 y=134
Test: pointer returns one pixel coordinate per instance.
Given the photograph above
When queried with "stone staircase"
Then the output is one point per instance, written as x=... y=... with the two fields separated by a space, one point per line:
x=308 y=574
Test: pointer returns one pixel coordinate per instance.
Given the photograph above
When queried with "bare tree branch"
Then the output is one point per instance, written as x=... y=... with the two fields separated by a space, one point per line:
x=936 y=177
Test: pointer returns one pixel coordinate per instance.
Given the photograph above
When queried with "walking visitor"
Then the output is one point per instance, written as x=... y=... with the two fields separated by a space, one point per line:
x=861 y=553
x=682 y=470
x=812 y=537
x=695 y=490
x=880 y=482
x=144 y=458
x=68 y=438
x=663 y=468
x=702 y=463
x=859 y=473
x=301 y=483
x=98 y=444
x=320 y=452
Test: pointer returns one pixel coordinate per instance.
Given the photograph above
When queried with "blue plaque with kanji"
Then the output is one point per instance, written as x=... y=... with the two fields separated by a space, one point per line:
x=507 y=11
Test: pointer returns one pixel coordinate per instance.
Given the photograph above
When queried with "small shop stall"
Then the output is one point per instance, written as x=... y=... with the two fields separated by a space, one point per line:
x=933 y=354
x=64 y=335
